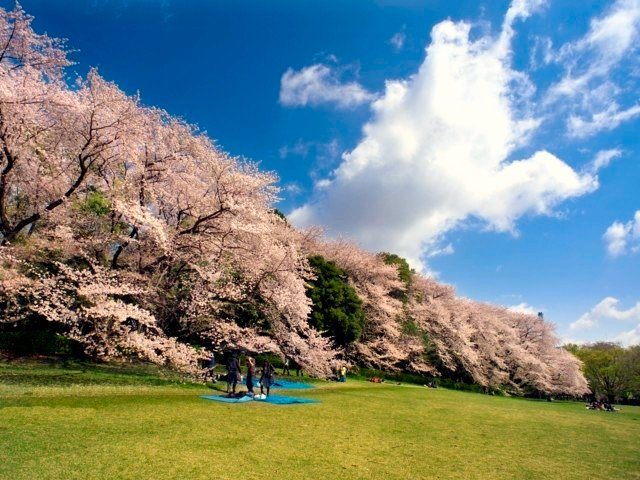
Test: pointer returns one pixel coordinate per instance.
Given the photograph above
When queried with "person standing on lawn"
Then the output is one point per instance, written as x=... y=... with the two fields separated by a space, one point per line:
x=285 y=368
x=266 y=378
x=210 y=369
x=233 y=374
x=343 y=374
x=251 y=372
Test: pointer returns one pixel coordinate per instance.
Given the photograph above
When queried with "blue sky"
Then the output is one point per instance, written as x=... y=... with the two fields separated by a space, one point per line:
x=495 y=145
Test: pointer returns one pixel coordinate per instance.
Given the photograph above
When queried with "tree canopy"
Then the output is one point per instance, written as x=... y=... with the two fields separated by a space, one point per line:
x=336 y=308
x=404 y=270
x=129 y=231
x=611 y=370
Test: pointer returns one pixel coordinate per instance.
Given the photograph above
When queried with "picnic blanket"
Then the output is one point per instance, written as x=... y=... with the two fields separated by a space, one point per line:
x=225 y=399
x=284 y=384
x=284 y=400
x=290 y=385
x=274 y=399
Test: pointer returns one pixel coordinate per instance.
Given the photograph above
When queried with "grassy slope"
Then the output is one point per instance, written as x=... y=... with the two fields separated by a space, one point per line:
x=57 y=423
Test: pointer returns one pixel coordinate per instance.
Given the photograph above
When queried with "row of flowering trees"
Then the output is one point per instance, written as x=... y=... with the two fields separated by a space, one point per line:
x=132 y=229
x=420 y=325
x=135 y=235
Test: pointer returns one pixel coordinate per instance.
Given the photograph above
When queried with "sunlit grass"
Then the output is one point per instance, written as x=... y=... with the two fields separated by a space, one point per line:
x=110 y=424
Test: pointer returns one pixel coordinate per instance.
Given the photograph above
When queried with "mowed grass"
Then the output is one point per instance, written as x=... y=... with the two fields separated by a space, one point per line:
x=93 y=423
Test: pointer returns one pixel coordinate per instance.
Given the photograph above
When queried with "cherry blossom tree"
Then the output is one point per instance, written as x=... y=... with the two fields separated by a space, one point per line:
x=94 y=184
x=494 y=346
x=133 y=232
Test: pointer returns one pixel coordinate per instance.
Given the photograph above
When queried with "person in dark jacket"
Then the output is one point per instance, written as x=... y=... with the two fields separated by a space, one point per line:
x=266 y=378
x=233 y=374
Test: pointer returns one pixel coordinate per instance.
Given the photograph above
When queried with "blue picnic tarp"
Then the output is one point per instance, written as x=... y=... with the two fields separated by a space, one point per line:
x=290 y=385
x=284 y=400
x=284 y=384
x=274 y=399
x=226 y=399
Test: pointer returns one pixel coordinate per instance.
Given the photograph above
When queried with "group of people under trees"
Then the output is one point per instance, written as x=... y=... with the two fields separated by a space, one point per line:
x=266 y=378
x=602 y=405
x=268 y=371
x=234 y=376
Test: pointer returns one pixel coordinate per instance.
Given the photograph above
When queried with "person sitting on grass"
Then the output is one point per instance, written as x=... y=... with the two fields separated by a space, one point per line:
x=233 y=374
x=266 y=377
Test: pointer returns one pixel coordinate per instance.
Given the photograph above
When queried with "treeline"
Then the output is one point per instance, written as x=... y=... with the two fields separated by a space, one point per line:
x=416 y=324
x=613 y=372
x=129 y=231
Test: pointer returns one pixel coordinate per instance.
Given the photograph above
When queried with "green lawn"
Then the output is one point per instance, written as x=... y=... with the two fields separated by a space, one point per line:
x=110 y=423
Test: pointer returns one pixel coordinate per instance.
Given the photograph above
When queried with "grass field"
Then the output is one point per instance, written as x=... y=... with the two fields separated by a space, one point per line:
x=108 y=423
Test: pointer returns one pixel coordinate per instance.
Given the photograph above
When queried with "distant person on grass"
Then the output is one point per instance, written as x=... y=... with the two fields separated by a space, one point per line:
x=343 y=374
x=210 y=369
x=285 y=367
x=266 y=378
x=233 y=374
x=251 y=372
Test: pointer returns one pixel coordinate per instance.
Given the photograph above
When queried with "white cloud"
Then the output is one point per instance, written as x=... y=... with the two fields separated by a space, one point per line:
x=609 y=47
x=605 y=312
x=631 y=337
x=585 y=322
x=397 y=40
x=602 y=159
x=437 y=152
x=542 y=53
x=300 y=149
x=322 y=183
x=320 y=84
x=608 y=119
x=616 y=239
x=607 y=309
x=439 y=251
x=622 y=238
x=609 y=39
x=293 y=189
x=524 y=308
x=519 y=9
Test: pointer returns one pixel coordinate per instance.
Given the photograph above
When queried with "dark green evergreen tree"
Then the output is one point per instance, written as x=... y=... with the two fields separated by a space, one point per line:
x=404 y=274
x=337 y=310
